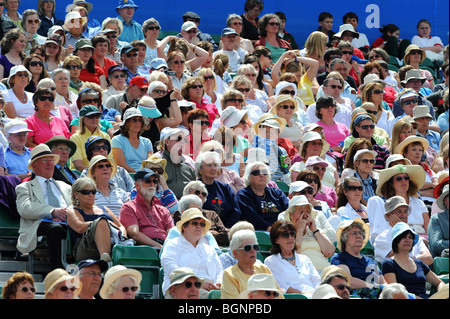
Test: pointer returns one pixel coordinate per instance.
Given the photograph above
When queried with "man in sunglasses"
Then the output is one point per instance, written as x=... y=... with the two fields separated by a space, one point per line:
x=129 y=58
x=146 y=220
x=137 y=88
x=338 y=278
x=184 y=284
x=199 y=36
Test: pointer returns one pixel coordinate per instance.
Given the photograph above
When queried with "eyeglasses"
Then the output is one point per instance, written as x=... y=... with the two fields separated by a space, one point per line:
x=367 y=127
x=312 y=180
x=258 y=172
x=342 y=287
x=377 y=92
x=192 y=31
x=131 y=55
x=36 y=63
x=88 y=191
x=414 y=52
x=233 y=100
x=400 y=178
x=372 y=112
x=122 y=76
x=285 y=107
x=367 y=161
x=211 y=77
x=274 y=23
x=314 y=143
x=335 y=86
x=197 y=192
x=92 y=274
x=189 y=284
x=74 y=67
x=65 y=288
x=153 y=28
x=357 y=233
x=157 y=91
x=243 y=90
x=196 y=223
x=408 y=102
x=104 y=165
x=178 y=62
x=249 y=247
x=63 y=149
x=46 y=98
x=287 y=234
x=288 y=92
x=347 y=52
x=36 y=21
x=197 y=86
x=25 y=289
x=319 y=169
x=328 y=106
x=271 y=293
x=307 y=191
x=354 y=188
x=153 y=181
x=90 y=101
x=127 y=289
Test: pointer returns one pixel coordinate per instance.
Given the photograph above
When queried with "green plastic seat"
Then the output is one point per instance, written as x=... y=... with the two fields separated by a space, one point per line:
x=295 y=296
x=214 y=294
x=283 y=186
x=264 y=243
x=440 y=265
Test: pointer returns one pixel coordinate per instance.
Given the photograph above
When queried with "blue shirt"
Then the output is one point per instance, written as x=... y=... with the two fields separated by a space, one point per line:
x=434 y=138
x=68 y=175
x=131 y=31
x=17 y=164
x=133 y=156
x=361 y=268
x=443 y=121
x=109 y=114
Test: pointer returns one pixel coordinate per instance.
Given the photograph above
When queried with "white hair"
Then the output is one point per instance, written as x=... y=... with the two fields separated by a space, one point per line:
x=155 y=84
x=187 y=200
x=250 y=167
x=195 y=185
x=60 y=70
x=207 y=157
x=240 y=236
x=46 y=83
x=392 y=289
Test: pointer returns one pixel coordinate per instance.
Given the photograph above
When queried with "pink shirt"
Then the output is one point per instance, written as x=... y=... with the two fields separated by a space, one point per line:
x=336 y=133
x=154 y=222
x=210 y=108
x=43 y=131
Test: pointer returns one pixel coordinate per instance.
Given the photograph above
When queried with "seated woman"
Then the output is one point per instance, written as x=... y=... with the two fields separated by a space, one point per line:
x=34 y=63
x=350 y=202
x=244 y=247
x=183 y=251
x=228 y=140
x=286 y=106
x=401 y=268
x=16 y=155
x=349 y=165
x=101 y=170
x=257 y=203
x=255 y=96
x=129 y=149
x=19 y=286
x=364 y=161
x=237 y=120
x=43 y=124
x=324 y=193
x=18 y=102
x=90 y=225
x=63 y=95
x=116 y=79
x=89 y=71
x=352 y=236
x=295 y=273
x=227 y=258
x=315 y=233
x=220 y=195
x=73 y=64
x=198 y=124
x=117 y=279
x=224 y=175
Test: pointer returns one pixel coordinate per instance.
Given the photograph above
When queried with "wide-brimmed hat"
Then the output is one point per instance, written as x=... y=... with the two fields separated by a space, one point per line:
x=76 y=3
x=371 y=77
x=442 y=181
x=283 y=99
x=413 y=74
x=180 y=275
x=333 y=269
x=147 y=107
x=394 y=158
x=265 y=282
x=42 y=150
x=411 y=47
x=364 y=151
x=299 y=200
x=15 y=69
x=402 y=227
x=169 y=131
x=348 y=222
x=393 y=203
x=231 y=116
x=268 y=119
x=71 y=16
x=97 y=159
x=421 y=111
x=440 y=199
x=284 y=85
x=59 y=139
x=193 y=213
x=416 y=174
x=411 y=139
x=314 y=136
x=156 y=160
x=325 y=291
x=346 y=27
x=115 y=273
x=57 y=276
x=126 y=3
x=128 y=114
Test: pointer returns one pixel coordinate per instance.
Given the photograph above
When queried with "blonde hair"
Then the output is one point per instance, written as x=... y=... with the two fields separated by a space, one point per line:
x=202 y=73
x=221 y=63
x=315 y=44
x=398 y=127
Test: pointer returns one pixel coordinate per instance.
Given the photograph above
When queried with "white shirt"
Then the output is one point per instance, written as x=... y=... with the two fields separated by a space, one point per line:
x=347 y=212
x=236 y=58
x=55 y=190
x=22 y=109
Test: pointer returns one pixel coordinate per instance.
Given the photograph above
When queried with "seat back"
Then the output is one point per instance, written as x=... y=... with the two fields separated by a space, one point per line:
x=283 y=186
x=295 y=296
x=441 y=265
x=264 y=243
x=214 y=294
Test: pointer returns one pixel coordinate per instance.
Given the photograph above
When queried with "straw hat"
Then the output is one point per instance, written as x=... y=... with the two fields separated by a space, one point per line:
x=268 y=119
x=416 y=174
x=283 y=99
x=59 y=139
x=408 y=51
x=346 y=223
x=325 y=291
x=265 y=282
x=42 y=150
x=180 y=275
x=190 y=214
x=411 y=139
x=314 y=136
x=332 y=269
x=115 y=273
x=155 y=160
x=57 y=276
x=97 y=159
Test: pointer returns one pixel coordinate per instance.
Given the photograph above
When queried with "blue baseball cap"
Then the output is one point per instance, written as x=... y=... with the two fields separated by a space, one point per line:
x=228 y=31
x=144 y=173
x=89 y=262
x=158 y=63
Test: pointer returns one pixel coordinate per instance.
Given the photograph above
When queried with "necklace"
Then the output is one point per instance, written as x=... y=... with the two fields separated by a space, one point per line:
x=288 y=258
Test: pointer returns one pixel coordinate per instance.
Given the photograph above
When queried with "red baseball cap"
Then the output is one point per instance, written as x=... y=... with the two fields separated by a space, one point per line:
x=139 y=81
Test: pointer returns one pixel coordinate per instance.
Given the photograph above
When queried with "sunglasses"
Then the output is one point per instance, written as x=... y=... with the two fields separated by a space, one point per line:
x=342 y=287
x=319 y=169
x=204 y=123
x=36 y=63
x=104 y=165
x=414 y=52
x=243 y=90
x=157 y=170
x=249 y=247
x=268 y=56
x=197 y=192
x=377 y=92
x=65 y=288
x=367 y=161
x=347 y=52
x=335 y=86
x=408 y=102
x=112 y=36
x=179 y=62
x=152 y=28
x=366 y=127
x=288 y=92
x=90 y=101
x=376 y=56
x=25 y=289
x=285 y=107
x=131 y=55
x=22 y=74
x=236 y=100
x=153 y=181
x=88 y=191
x=312 y=180
x=197 y=86
x=354 y=188
x=179 y=138
x=126 y=289
x=30 y=21
x=258 y=172
x=237 y=23
x=192 y=31
x=372 y=112
x=274 y=23
x=196 y=223
x=46 y=98
x=122 y=76
x=211 y=77
x=137 y=119
x=287 y=234
x=188 y=284
x=74 y=67
x=400 y=178
x=307 y=191
x=271 y=293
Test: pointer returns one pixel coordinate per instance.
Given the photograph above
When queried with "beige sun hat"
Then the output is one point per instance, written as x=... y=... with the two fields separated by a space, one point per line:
x=57 y=276
x=97 y=159
x=155 y=160
x=283 y=99
x=268 y=119
x=42 y=150
x=348 y=222
x=115 y=273
x=299 y=200
x=257 y=282
x=325 y=291
x=190 y=214
x=314 y=136
x=411 y=139
x=416 y=173
x=180 y=275
x=332 y=269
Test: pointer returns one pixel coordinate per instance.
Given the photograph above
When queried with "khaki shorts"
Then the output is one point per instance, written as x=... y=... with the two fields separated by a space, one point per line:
x=86 y=247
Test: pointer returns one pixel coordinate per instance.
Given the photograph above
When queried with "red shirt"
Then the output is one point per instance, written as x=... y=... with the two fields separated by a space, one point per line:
x=210 y=108
x=107 y=64
x=87 y=76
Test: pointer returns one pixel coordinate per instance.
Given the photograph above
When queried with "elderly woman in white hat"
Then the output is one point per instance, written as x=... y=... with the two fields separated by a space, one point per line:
x=401 y=268
x=101 y=170
x=244 y=248
x=18 y=102
x=121 y=282
x=59 y=284
x=352 y=236
x=315 y=234
x=188 y=250
x=261 y=286
x=184 y=284
x=237 y=120
x=294 y=272
x=17 y=155
x=286 y=106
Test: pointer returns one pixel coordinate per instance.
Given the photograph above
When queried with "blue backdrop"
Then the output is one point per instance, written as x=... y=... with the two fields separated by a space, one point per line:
x=301 y=15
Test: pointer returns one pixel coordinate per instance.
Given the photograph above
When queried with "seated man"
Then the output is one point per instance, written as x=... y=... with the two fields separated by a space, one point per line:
x=236 y=56
x=65 y=148
x=184 y=284
x=146 y=221
x=42 y=203
x=422 y=117
x=438 y=229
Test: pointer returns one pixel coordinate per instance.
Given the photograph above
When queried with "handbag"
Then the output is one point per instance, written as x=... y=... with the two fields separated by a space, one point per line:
x=118 y=238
